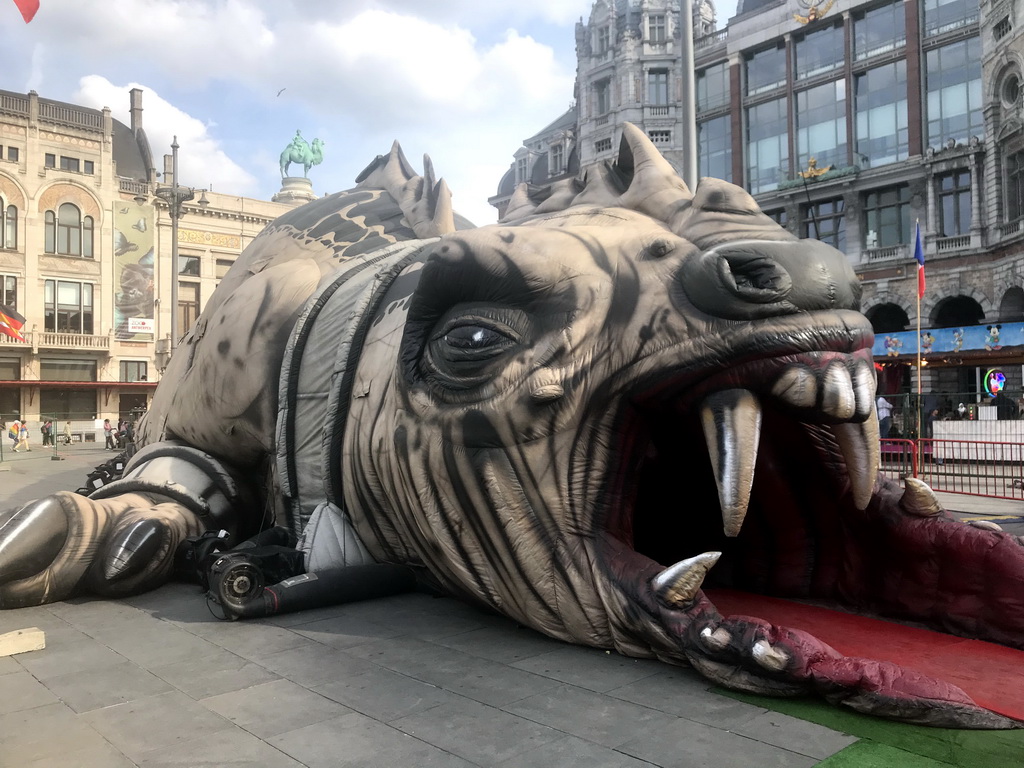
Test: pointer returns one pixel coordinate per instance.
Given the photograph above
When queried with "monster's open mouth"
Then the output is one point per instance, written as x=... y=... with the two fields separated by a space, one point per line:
x=745 y=463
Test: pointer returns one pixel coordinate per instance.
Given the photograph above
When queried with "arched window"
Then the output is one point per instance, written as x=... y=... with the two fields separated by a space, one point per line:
x=10 y=226
x=69 y=230
x=68 y=233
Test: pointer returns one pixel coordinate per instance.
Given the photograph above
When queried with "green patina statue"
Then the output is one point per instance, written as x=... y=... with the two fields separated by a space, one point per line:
x=301 y=152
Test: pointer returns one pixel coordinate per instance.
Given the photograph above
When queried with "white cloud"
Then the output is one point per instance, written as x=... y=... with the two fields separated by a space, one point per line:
x=205 y=162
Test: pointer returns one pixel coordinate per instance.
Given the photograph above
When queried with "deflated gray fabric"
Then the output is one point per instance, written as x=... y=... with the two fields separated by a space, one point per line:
x=314 y=401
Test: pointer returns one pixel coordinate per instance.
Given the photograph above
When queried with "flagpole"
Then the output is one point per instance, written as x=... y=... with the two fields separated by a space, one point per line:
x=917 y=241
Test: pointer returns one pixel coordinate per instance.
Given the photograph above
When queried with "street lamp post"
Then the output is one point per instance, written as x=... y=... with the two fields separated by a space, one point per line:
x=175 y=196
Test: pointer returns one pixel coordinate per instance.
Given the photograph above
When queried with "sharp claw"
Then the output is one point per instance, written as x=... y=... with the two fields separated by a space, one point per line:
x=716 y=640
x=918 y=499
x=774 y=659
x=30 y=538
x=677 y=585
x=986 y=525
x=130 y=550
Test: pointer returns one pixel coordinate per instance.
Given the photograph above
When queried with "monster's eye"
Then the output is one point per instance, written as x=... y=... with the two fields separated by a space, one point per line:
x=471 y=344
x=475 y=342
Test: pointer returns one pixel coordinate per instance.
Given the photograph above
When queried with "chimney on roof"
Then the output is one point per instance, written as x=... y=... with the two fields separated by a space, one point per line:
x=136 y=109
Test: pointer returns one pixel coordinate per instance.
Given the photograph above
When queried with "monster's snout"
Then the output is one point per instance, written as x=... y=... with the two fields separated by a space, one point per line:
x=754 y=279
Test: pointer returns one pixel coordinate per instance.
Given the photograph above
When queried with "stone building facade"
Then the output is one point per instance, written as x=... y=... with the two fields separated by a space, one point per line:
x=85 y=257
x=850 y=121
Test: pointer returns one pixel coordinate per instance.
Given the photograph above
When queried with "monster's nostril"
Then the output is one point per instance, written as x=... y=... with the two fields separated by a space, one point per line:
x=756 y=277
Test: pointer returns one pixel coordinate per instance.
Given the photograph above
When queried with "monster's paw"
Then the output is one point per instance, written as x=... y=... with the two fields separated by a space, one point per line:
x=66 y=544
x=748 y=654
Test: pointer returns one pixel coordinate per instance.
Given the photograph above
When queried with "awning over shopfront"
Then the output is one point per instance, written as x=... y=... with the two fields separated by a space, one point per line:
x=997 y=341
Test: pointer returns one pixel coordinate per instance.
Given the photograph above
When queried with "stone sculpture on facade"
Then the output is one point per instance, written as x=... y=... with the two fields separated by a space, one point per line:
x=522 y=415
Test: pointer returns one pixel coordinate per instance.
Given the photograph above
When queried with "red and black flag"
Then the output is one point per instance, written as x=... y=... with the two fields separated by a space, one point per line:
x=28 y=8
x=11 y=323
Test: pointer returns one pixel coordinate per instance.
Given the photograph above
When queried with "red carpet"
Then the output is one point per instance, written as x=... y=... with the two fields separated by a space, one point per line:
x=992 y=675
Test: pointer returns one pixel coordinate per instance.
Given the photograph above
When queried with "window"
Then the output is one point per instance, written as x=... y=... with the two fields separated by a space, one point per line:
x=954 y=203
x=826 y=221
x=188 y=306
x=222 y=267
x=656 y=28
x=657 y=86
x=1015 y=186
x=603 y=97
x=880 y=101
x=821 y=125
x=603 y=145
x=9 y=291
x=953 y=75
x=603 y=40
x=714 y=148
x=68 y=233
x=944 y=15
x=13 y=154
x=1002 y=28
x=68 y=306
x=134 y=370
x=557 y=159
x=660 y=137
x=766 y=70
x=10 y=226
x=70 y=164
x=67 y=404
x=887 y=217
x=50 y=161
x=779 y=216
x=879 y=30
x=712 y=86
x=67 y=370
x=767 y=146
x=87 y=167
x=188 y=265
x=10 y=397
x=522 y=170
x=818 y=52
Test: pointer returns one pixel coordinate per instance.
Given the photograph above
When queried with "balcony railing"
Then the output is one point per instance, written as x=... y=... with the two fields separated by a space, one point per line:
x=658 y=110
x=948 y=244
x=1011 y=228
x=711 y=40
x=66 y=341
x=11 y=104
x=885 y=254
x=133 y=187
x=56 y=113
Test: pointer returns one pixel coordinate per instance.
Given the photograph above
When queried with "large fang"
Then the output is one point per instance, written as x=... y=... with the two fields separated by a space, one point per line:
x=732 y=430
x=837 y=398
x=859 y=446
x=678 y=584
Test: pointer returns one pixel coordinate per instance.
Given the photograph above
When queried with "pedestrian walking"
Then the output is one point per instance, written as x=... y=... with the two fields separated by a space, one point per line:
x=15 y=432
x=108 y=435
x=66 y=437
x=22 y=444
x=47 y=432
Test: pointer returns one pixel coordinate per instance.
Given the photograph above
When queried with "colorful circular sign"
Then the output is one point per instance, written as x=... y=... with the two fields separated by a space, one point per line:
x=995 y=380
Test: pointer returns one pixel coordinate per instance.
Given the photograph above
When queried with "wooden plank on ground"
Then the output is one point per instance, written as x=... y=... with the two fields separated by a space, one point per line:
x=22 y=641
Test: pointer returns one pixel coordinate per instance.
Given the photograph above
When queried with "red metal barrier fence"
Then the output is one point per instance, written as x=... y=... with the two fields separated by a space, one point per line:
x=958 y=466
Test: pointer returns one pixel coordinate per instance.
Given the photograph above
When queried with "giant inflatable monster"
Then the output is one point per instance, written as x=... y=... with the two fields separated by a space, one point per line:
x=573 y=417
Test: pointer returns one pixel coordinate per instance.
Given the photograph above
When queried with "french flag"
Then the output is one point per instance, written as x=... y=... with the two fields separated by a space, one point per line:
x=28 y=8
x=919 y=256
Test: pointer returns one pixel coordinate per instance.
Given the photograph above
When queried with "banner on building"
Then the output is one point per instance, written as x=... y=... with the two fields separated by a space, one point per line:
x=134 y=272
x=972 y=338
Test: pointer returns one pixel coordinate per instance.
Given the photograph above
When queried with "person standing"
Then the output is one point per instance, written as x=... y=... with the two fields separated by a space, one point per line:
x=884 y=408
x=47 y=432
x=67 y=433
x=108 y=435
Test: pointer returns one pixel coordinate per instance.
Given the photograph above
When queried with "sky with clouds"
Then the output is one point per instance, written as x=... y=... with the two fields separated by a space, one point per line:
x=461 y=80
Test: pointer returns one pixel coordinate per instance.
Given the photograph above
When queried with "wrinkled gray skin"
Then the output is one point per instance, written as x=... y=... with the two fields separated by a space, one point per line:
x=530 y=420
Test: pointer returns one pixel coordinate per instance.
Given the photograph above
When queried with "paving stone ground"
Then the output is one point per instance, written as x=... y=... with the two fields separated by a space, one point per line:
x=412 y=680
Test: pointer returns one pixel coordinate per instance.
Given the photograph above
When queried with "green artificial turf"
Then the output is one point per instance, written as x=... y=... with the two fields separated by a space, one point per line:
x=886 y=744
